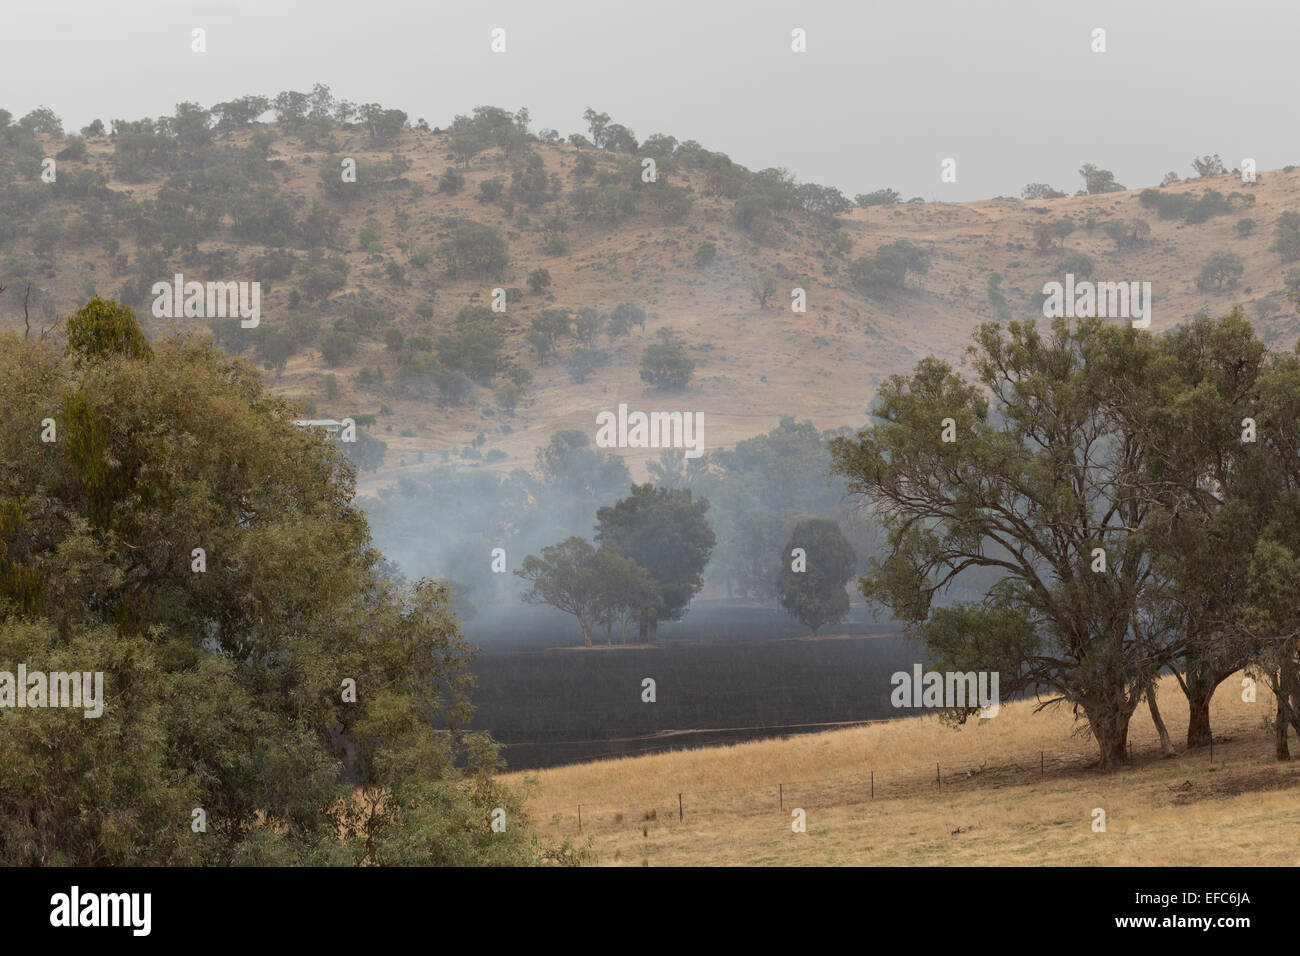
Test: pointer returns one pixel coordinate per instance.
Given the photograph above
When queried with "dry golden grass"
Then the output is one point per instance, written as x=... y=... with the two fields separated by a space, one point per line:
x=1242 y=809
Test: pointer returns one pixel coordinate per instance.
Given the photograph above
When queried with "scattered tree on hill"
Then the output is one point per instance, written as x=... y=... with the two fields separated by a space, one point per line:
x=1041 y=191
x=474 y=250
x=1126 y=233
x=1096 y=180
x=546 y=330
x=665 y=364
x=762 y=288
x=1286 y=236
x=1221 y=268
x=880 y=197
x=887 y=268
x=1207 y=165
x=539 y=279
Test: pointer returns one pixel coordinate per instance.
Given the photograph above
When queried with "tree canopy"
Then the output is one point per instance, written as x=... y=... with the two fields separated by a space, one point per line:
x=172 y=529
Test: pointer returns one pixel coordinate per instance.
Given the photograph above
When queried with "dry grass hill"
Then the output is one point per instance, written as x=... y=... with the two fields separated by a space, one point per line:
x=1015 y=790
x=753 y=364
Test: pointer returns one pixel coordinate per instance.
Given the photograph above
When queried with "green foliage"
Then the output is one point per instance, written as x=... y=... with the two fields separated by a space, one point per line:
x=103 y=328
x=665 y=364
x=1046 y=233
x=1176 y=517
x=1207 y=165
x=474 y=349
x=815 y=595
x=1079 y=263
x=1127 y=233
x=1286 y=236
x=624 y=316
x=1097 y=180
x=880 y=197
x=886 y=270
x=753 y=214
x=451 y=181
x=584 y=362
x=473 y=250
x=546 y=329
x=367 y=452
x=665 y=532
x=539 y=279
x=337 y=347
x=565 y=578
x=1222 y=268
x=1041 y=191
x=508 y=396
x=1184 y=206
x=762 y=288
x=223 y=687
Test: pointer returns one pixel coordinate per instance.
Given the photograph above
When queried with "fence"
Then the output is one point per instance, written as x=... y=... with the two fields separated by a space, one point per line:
x=827 y=792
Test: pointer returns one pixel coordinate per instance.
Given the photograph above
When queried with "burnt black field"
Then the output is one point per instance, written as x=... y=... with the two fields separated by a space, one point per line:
x=557 y=705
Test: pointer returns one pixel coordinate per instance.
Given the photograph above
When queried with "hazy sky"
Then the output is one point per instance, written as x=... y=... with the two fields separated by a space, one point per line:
x=1009 y=88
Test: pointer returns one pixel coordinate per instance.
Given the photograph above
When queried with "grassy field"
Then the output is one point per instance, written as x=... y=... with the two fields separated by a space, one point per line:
x=1019 y=789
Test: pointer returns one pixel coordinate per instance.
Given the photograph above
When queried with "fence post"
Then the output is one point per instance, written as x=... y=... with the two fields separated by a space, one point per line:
x=873 y=785
x=580 y=818
x=938 y=779
x=1042 y=764
x=781 y=795
x=680 y=812
x=1211 y=746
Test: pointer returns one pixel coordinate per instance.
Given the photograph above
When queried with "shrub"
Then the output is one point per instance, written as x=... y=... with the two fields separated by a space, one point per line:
x=1286 y=236
x=1079 y=263
x=1222 y=268
x=1041 y=191
x=337 y=347
x=451 y=181
x=539 y=279
x=880 y=197
x=474 y=249
x=665 y=364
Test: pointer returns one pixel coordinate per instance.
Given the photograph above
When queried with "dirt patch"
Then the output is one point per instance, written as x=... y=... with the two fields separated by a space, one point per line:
x=1206 y=788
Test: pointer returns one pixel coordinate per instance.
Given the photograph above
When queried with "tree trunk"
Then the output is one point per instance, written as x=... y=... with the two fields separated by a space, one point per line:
x=1198 y=721
x=1166 y=748
x=1283 y=749
x=1199 y=688
x=654 y=630
x=1110 y=729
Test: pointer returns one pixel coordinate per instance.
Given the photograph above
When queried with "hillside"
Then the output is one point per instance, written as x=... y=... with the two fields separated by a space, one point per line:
x=753 y=364
x=1016 y=790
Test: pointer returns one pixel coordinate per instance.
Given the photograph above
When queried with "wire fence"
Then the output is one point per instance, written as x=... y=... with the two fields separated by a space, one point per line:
x=829 y=792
